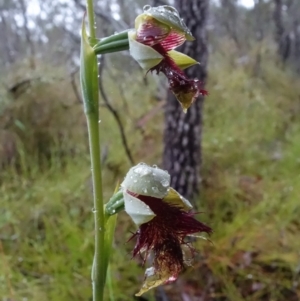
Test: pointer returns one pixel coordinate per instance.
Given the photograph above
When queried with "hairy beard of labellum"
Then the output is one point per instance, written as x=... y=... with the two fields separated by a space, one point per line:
x=165 y=234
x=179 y=83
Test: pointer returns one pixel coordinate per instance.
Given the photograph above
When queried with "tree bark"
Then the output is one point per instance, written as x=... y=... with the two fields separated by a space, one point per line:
x=281 y=36
x=182 y=135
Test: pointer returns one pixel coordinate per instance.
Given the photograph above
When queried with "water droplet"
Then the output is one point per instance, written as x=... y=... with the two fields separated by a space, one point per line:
x=165 y=183
x=154 y=166
x=145 y=190
x=142 y=170
x=99 y=121
x=147 y=7
x=155 y=189
x=135 y=180
x=94 y=210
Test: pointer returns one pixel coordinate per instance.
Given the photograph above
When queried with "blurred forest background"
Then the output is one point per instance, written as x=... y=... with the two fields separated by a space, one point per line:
x=250 y=152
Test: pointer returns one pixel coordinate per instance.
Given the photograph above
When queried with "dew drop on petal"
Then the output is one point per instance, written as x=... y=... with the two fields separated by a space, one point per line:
x=165 y=183
x=142 y=169
x=147 y=7
x=155 y=189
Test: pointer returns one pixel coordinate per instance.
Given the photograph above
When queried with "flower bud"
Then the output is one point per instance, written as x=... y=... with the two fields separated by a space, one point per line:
x=143 y=180
x=146 y=180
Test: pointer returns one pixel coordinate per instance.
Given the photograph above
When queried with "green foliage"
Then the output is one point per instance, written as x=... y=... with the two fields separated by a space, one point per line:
x=41 y=123
x=250 y=194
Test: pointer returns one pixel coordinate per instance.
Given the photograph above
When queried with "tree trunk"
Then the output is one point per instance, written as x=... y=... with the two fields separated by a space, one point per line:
x=182 y=135
x=281 y=36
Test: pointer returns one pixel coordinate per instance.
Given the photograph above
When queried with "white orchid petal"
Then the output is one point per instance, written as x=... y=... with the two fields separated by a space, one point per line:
x=145 y=55
x=146 y=180
x=137 y=210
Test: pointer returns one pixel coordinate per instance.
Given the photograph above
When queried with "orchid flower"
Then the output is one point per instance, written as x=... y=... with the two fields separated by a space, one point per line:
x=164 y=219
x=158 y=31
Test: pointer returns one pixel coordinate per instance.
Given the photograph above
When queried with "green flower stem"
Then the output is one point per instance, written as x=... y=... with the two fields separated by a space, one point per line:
x=92 y=115
x=99 y=268
x=115 y=46
x=91 y=18
x=104 y=221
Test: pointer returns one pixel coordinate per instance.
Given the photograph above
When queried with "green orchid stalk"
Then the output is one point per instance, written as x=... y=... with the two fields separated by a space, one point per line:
x=158 y=31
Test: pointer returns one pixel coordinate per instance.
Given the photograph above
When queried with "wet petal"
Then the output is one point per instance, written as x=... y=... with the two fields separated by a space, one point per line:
x=137 y=210
x=173 y=40
x=143 y=179
x=145 y=55
x=167 y=265
x=173 y=218
x=181 y=60
x=149 y=31
x=152 y=280
x=164 y=236
x=186 y=93
x=174 y=198
x=168 y=16
x=185 y=90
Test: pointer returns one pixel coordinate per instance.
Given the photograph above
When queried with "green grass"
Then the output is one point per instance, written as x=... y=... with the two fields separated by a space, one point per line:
x=250 y=196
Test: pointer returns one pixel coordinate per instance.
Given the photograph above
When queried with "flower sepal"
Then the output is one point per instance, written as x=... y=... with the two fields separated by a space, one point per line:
x=145 y=55
x=167 y=15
